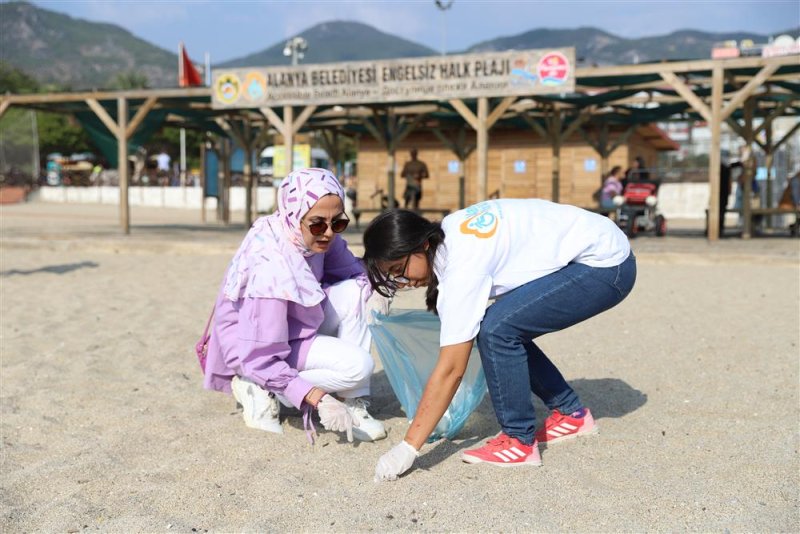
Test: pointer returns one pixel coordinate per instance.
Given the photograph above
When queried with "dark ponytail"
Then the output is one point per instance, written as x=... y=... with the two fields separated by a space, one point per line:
x=395 y=234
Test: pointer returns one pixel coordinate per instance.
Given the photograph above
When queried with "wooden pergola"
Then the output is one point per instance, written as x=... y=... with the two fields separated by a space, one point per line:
x=734 y=91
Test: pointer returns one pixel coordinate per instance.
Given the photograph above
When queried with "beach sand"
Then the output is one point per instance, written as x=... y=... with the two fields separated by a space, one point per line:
x=105 y=426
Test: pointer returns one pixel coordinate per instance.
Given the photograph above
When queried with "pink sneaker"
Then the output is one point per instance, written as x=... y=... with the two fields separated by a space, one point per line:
x=504 y=451
x=559 y=427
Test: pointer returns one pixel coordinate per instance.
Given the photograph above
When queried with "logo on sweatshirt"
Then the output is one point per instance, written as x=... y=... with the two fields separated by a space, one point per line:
x=479 y=221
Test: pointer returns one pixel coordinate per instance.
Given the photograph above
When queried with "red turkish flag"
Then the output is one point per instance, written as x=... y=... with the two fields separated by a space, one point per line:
x=187 y=74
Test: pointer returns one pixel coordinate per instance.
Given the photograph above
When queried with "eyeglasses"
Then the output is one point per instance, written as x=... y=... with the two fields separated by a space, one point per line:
x=400 y=278
x=318 y=228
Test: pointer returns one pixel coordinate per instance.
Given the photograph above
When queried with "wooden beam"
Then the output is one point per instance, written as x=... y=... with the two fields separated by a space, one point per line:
x=262 y=137
x=408 y=128
x=787 y=136
x=465 y=113
x=141 y=113
x=594 y=143
x=372 y=128
x=302 y=118
x=226 y=125
x=535 y=126
x=684 y=90
x=748 y=89
x=773 y=114
x=622 y=139
x=498 y=111
x=103 y=115
x=685 y=66
x=736 y=127
x=273 y=118
x=82 y=96
x=4 y=105
x=582 y=117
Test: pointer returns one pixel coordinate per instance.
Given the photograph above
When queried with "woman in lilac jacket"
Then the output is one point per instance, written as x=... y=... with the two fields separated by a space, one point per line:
x=290 y=321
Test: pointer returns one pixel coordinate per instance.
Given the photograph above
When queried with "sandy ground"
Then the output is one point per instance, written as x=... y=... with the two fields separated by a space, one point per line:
x=105 y=425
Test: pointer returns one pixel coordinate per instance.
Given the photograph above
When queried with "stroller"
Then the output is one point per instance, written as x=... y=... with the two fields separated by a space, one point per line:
x=637 y=209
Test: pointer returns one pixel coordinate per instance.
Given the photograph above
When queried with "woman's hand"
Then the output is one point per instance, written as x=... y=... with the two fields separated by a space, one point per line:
x=335 y=416
x=439 y=391
x=313 y=396
x=397 y=461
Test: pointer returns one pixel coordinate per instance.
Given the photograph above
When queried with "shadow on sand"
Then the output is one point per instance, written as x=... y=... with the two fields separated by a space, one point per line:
x=54 y=269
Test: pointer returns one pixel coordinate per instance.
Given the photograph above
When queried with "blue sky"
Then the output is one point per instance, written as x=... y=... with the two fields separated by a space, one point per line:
x=236 y=28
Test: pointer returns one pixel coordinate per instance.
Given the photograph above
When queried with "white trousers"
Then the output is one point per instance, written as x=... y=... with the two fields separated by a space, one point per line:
x=338 y=360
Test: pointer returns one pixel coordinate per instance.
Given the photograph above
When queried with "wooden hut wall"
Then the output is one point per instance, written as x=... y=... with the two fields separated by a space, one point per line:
x=520 y=166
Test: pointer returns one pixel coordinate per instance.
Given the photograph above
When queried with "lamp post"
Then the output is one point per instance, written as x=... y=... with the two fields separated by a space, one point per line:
x=295 y=47
x=443 y=6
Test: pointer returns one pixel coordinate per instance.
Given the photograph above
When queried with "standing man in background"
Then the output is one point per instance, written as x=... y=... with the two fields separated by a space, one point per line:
x=414 y=172
x=164 y=169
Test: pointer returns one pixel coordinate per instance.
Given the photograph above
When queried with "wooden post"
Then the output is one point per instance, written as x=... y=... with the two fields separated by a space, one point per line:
x=288 y=137
x=391 y=138
x=747 y=178
x=555 y=139
x=483 y=150
x=122 y=163
x=391 y=177
x=226 y=178
x=717 y=74
x=203 y=182
x=602 y=144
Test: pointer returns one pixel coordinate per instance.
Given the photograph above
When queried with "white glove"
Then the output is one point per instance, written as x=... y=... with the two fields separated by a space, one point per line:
x=335 y=416
x=395 y=462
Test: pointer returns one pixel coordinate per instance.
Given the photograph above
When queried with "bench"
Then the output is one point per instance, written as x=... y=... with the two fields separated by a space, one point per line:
x=762 y=212
x=422 y=211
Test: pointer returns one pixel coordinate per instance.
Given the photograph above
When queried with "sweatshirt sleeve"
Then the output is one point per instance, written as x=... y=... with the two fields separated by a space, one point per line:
x=263 y=339
x=340 y=264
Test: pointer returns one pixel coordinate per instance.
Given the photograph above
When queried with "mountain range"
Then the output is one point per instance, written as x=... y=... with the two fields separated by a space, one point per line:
x=77 y=54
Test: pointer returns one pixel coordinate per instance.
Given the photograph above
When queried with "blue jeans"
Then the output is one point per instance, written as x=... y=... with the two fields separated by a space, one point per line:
x=513 y=364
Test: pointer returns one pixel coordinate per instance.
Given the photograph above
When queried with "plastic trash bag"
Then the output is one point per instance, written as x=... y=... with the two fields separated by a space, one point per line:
x=408 y=345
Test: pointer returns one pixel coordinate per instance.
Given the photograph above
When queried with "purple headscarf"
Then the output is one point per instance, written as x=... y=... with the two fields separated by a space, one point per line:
x=271 y=261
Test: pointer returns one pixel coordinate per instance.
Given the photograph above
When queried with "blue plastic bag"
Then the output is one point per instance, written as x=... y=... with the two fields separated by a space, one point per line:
x=408 y=345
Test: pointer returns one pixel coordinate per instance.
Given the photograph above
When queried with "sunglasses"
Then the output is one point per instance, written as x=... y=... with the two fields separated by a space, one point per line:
x=318 y=228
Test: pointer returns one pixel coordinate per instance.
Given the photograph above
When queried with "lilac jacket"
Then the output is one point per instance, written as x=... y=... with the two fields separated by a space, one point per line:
x=266 y=339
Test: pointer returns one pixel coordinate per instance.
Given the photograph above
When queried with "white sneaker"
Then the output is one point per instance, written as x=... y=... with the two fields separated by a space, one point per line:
x=368 y=429
x=259 y=408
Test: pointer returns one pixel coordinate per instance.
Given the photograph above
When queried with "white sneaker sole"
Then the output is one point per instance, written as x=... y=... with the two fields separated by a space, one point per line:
x=361 y=435
x=591 y=432
x=273 y=425
x=527 y=463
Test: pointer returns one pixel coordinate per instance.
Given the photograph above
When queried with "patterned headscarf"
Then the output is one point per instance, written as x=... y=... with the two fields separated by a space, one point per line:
x=271 y=261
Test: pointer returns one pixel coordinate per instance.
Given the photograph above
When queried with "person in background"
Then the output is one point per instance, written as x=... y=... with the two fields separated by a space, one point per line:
x=636 y=173
x=290 y=318
x=163 y=167
x=414 y=171
x=612 y=186
x=549 y=266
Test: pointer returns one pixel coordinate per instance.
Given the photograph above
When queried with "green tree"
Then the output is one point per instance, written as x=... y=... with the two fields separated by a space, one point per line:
x=13 y=80
x=129 y=80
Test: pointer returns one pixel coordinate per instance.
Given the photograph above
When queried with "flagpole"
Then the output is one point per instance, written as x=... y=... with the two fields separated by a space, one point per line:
x=180 y=64
x=208 y=69
x=183 y=131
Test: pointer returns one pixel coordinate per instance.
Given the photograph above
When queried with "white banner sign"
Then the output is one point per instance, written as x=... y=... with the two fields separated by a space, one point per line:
x=523 y=72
